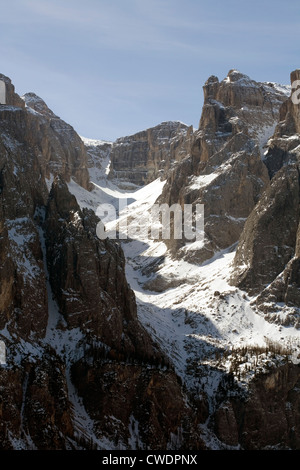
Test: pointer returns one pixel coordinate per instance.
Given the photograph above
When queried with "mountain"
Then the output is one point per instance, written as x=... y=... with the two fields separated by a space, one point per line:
x=224 y=168
x=68 y=315
x=136 y=340
x=267 y=258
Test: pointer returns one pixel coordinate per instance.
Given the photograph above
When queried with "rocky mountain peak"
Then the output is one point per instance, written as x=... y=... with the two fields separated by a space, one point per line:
x=38 y=104
x=238 y=117
x=149 y=154
x=93 y=364
x=267 y=258
x=29 y=122
x=249 y=104
x=283 y=147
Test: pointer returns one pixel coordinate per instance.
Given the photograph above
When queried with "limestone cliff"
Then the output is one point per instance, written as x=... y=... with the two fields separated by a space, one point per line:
x=267 y=258
x=224 y=170
x=149 y=154
x=258 y=420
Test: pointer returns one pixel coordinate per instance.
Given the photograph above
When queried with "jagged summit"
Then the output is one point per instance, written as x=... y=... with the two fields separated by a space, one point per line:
x=56 y=143
x=238 y=117
x=38 y=104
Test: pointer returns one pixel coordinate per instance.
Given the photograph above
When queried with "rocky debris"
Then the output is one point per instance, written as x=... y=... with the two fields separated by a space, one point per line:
x=224 y=170
x=147 y=155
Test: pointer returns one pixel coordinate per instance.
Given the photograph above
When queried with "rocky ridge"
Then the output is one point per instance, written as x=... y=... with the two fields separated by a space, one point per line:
x=147 y=155
x=267 y=258
x=224 y=169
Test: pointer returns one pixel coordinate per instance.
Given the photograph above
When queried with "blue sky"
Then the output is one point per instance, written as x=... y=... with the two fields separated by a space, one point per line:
x=114 y=67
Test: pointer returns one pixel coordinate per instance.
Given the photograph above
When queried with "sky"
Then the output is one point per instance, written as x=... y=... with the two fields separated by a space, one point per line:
x=111 y=68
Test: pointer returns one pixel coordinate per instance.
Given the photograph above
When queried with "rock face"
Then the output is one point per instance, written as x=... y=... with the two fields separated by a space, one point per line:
x=87 y=275
x=60 y=149
x=224 y=170
x=269 y=237
x=147 y=155
x=267 y=258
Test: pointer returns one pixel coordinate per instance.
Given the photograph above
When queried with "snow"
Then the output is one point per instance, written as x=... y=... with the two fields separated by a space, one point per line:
x=199 y=312
x=84 y=425
x=198 y=182
x=285 y=89
x=263 y=136
x=20 y=234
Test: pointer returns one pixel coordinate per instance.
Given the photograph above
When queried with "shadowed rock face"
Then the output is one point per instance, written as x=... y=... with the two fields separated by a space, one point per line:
x=260 y=421
x=269 y=236
x=283 y=147
x=87 y=276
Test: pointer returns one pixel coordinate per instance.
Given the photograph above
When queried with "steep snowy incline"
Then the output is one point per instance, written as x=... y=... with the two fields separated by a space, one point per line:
x=191 y=310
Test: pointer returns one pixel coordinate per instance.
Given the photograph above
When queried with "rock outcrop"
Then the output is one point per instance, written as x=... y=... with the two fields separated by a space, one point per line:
x=58 y=146
x=147 y=155
x=98 y=152
x=224 y=170
x=267 y=257
x=269 y=236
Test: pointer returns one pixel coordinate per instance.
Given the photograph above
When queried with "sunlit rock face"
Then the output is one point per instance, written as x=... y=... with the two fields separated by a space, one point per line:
x=224 y=169
x=149 y=154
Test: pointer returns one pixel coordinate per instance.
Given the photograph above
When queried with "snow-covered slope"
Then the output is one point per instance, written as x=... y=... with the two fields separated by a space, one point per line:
x=190 y=309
